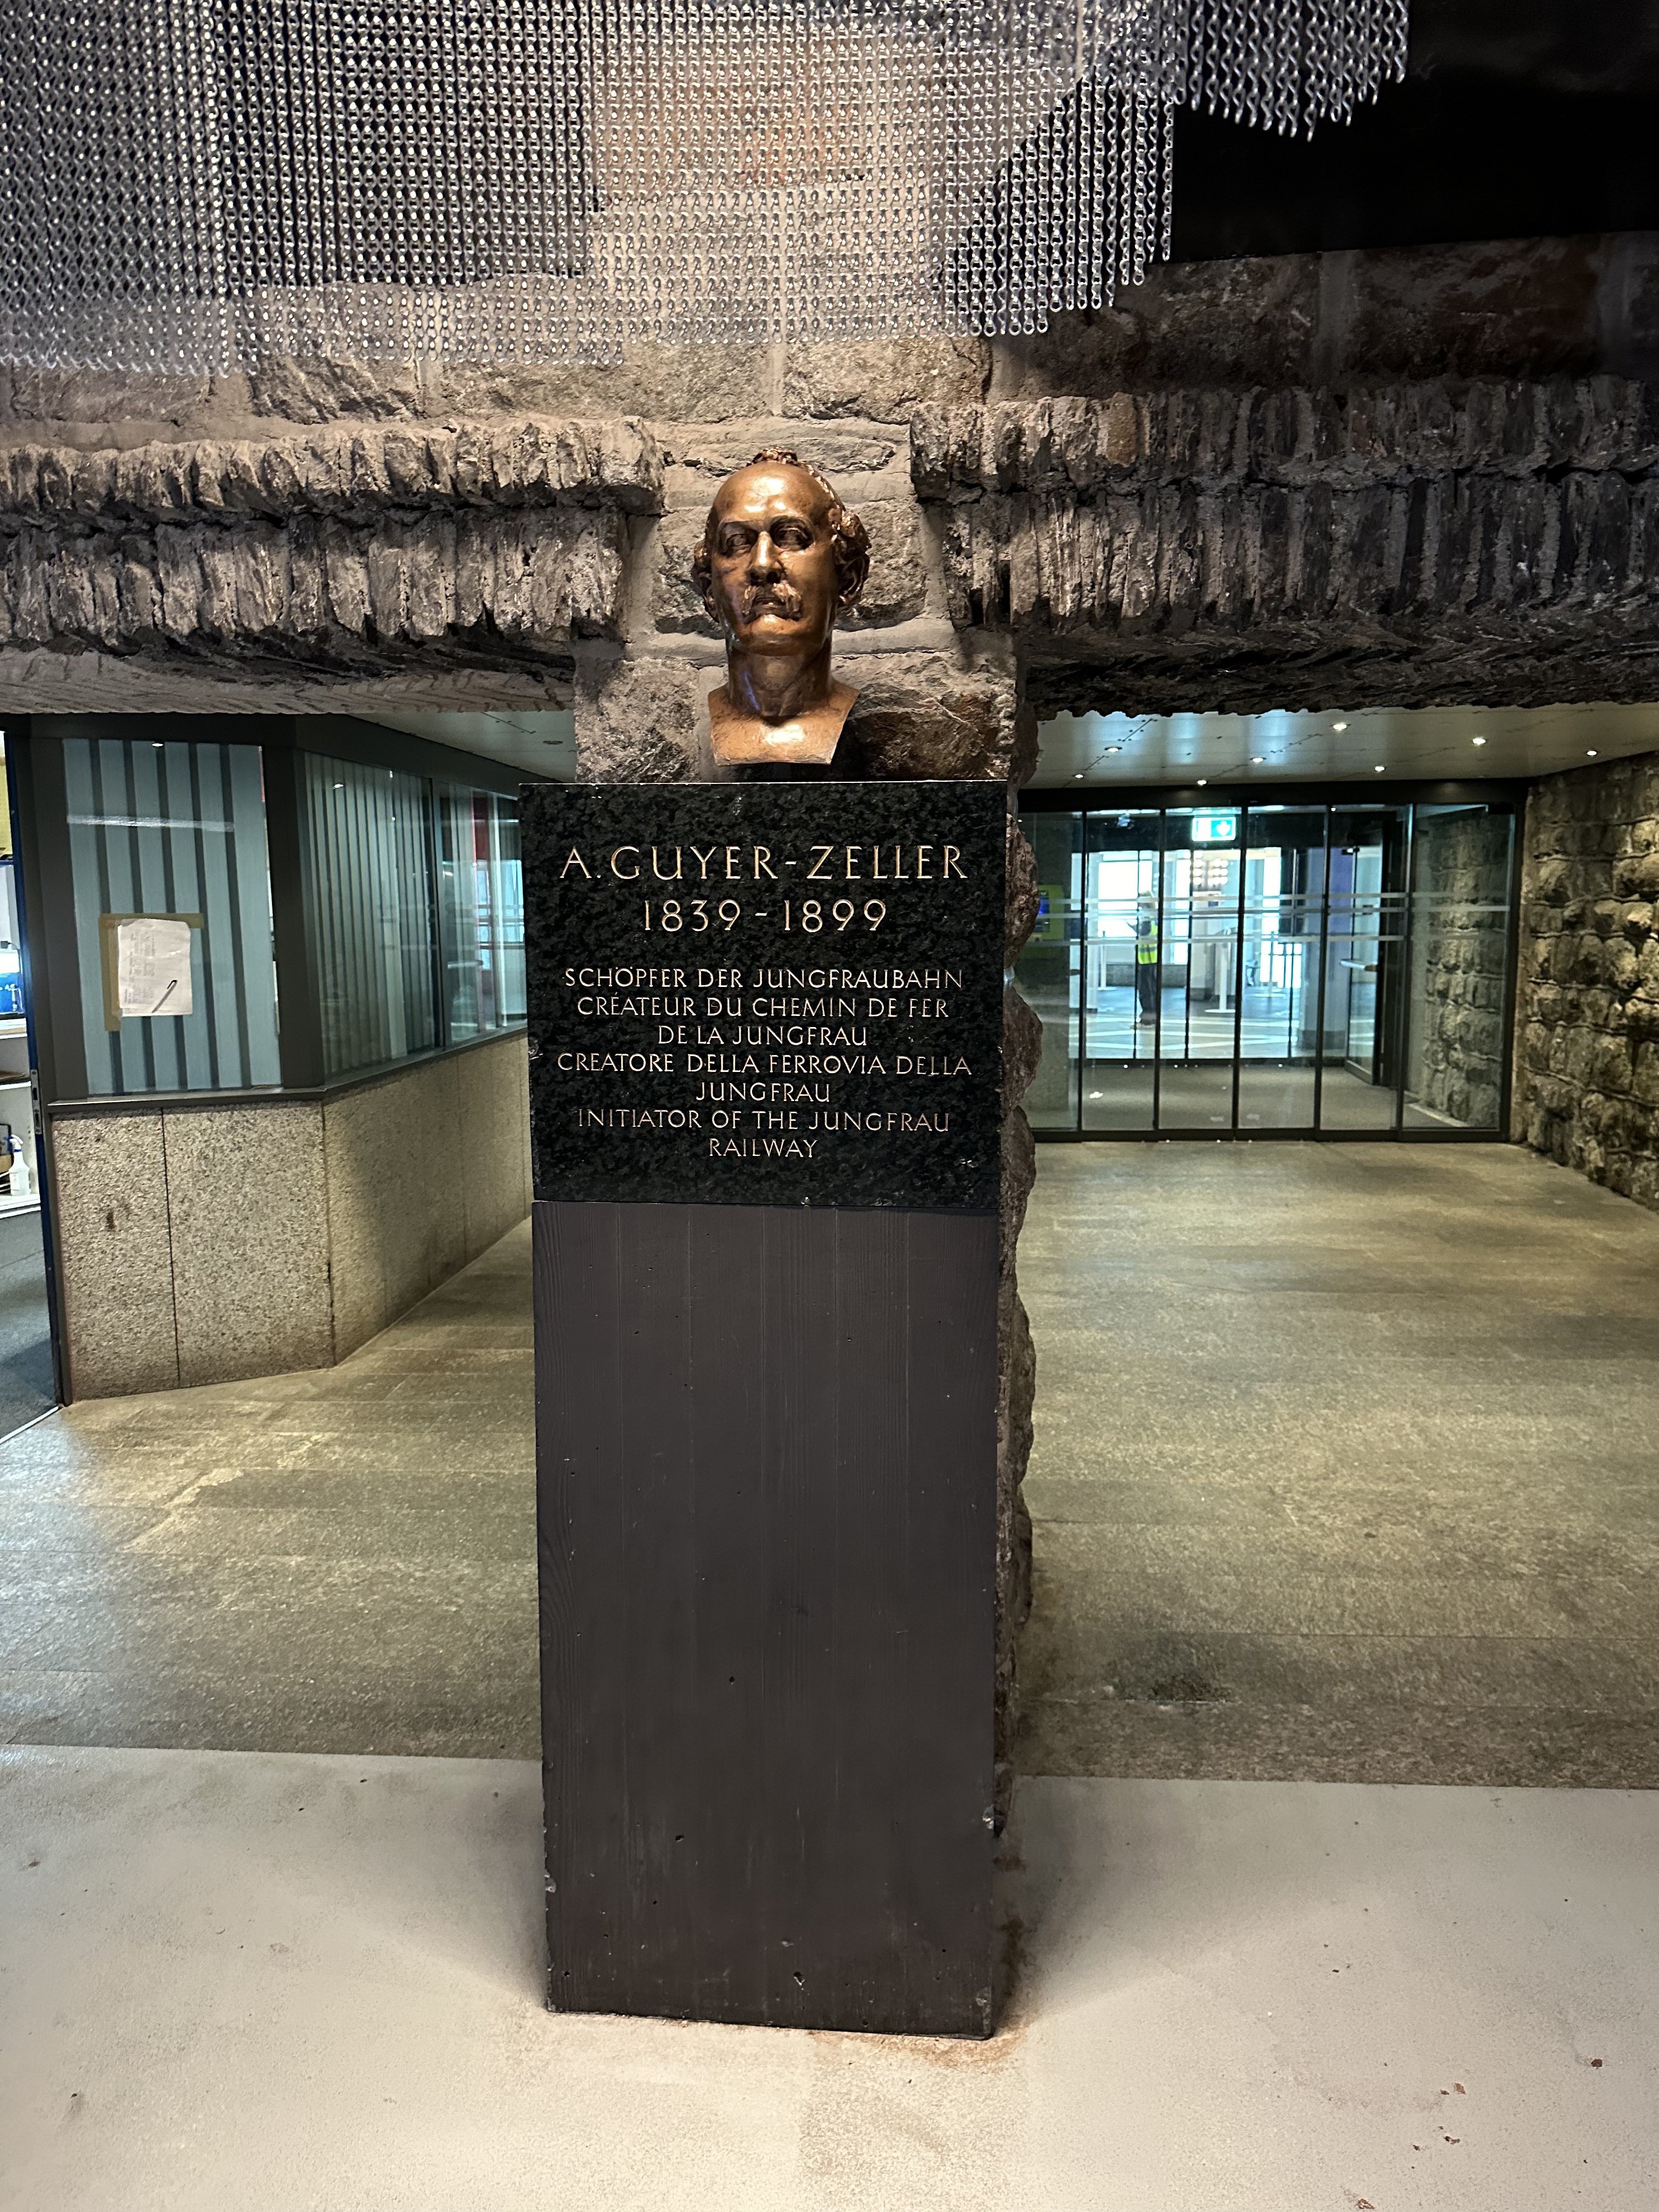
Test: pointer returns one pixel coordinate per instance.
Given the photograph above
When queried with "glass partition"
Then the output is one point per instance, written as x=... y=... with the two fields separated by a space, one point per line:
x=480 y=912
x=1456 y=1034
x=170 y=881
x=1050 y=968
x=401 y=918
x=1337 y=968
x=371 y=856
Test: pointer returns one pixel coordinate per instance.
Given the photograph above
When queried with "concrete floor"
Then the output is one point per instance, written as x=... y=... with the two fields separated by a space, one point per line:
x=337 y=1561
x=1347 y=1466
x=301 y=1985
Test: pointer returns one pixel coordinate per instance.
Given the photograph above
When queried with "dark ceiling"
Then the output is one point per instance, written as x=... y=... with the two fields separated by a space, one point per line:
x=1518 y=118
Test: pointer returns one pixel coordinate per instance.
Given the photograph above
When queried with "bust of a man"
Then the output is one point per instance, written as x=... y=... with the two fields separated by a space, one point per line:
x=779 y=557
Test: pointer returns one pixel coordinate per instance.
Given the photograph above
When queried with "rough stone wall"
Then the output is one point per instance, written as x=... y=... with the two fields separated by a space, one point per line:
x=345 y=549
x=1517 y=308
x=1459 y=1041
x=1587 y=1057
x=1527 y=307
x=1246 y=549
x=1395 y=476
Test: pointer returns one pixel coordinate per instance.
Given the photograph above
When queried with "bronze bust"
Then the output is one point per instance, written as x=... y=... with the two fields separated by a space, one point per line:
x=779 y=557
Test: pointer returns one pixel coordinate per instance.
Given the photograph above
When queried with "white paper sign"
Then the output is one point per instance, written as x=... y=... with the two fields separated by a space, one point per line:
x=152 y=970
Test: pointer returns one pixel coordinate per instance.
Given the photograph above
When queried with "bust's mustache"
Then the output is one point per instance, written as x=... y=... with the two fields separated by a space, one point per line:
x=778 y=597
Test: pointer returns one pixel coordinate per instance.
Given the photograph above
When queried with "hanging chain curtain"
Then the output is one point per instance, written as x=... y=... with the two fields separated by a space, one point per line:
x=194 y=185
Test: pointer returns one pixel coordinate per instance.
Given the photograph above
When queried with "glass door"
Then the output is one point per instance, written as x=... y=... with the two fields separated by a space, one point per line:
x=1284 y=887
x=1365 y=948
x=1198 y=1021
x=1123 y=972
x=1242 y=970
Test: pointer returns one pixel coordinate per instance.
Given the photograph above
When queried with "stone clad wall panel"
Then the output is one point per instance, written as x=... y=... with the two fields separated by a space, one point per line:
x=216 y=1243
x=114 y=1254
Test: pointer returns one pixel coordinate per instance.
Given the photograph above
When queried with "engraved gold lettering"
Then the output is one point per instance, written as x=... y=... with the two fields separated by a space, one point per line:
x=624 y=875
x=575 y=861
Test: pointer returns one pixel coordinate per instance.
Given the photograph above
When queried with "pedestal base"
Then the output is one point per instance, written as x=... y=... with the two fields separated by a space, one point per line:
x=767 y=1453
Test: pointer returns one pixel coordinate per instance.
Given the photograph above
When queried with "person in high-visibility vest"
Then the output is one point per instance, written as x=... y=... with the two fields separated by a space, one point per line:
x=1147 y=964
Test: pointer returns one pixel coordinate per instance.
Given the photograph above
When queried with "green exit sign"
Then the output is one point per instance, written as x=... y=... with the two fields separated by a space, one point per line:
x=1215 y=829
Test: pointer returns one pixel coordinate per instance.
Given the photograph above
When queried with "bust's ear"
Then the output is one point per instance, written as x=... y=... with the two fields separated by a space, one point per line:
x=702 y=573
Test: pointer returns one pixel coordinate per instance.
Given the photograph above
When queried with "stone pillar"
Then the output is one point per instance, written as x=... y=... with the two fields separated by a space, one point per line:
x=1022 y=1048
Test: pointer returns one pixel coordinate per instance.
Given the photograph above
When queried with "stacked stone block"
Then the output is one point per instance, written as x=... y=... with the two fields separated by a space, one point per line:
x=1587 y=1074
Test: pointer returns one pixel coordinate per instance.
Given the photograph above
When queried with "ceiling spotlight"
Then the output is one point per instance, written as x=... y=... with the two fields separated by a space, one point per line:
x=1379 y=769
x=1477 y=741
x=1339 y=727
x=1590 y=754
x=1114 y=749
x=1078 y=778
x=1256 y=759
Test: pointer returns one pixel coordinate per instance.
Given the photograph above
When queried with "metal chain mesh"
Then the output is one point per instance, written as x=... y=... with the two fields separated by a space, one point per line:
x=195 y=186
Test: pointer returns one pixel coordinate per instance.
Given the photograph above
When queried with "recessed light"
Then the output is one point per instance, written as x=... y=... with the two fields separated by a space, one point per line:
x=1339 y=727
x=1114 y=749
x=1590 y=755
x=1477 y=741
x=1256 y=759
x=1202 y=781
x=1078 y=778
x=1380 y=769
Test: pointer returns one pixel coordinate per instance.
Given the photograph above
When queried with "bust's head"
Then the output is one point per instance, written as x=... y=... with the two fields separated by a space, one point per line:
x=779 y=557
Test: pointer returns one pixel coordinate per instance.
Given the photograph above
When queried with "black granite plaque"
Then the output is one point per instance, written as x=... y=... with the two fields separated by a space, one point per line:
x=771 y=994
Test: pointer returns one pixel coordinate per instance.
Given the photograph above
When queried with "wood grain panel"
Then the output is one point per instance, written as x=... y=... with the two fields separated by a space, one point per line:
x=766 y=1445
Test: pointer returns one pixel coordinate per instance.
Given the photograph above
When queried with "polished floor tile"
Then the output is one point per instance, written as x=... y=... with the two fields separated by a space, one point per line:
x=337 y=1561
x=1347 y=1467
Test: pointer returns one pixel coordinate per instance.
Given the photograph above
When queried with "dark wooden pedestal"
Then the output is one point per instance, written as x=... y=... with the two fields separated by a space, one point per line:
x=766 y=1454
